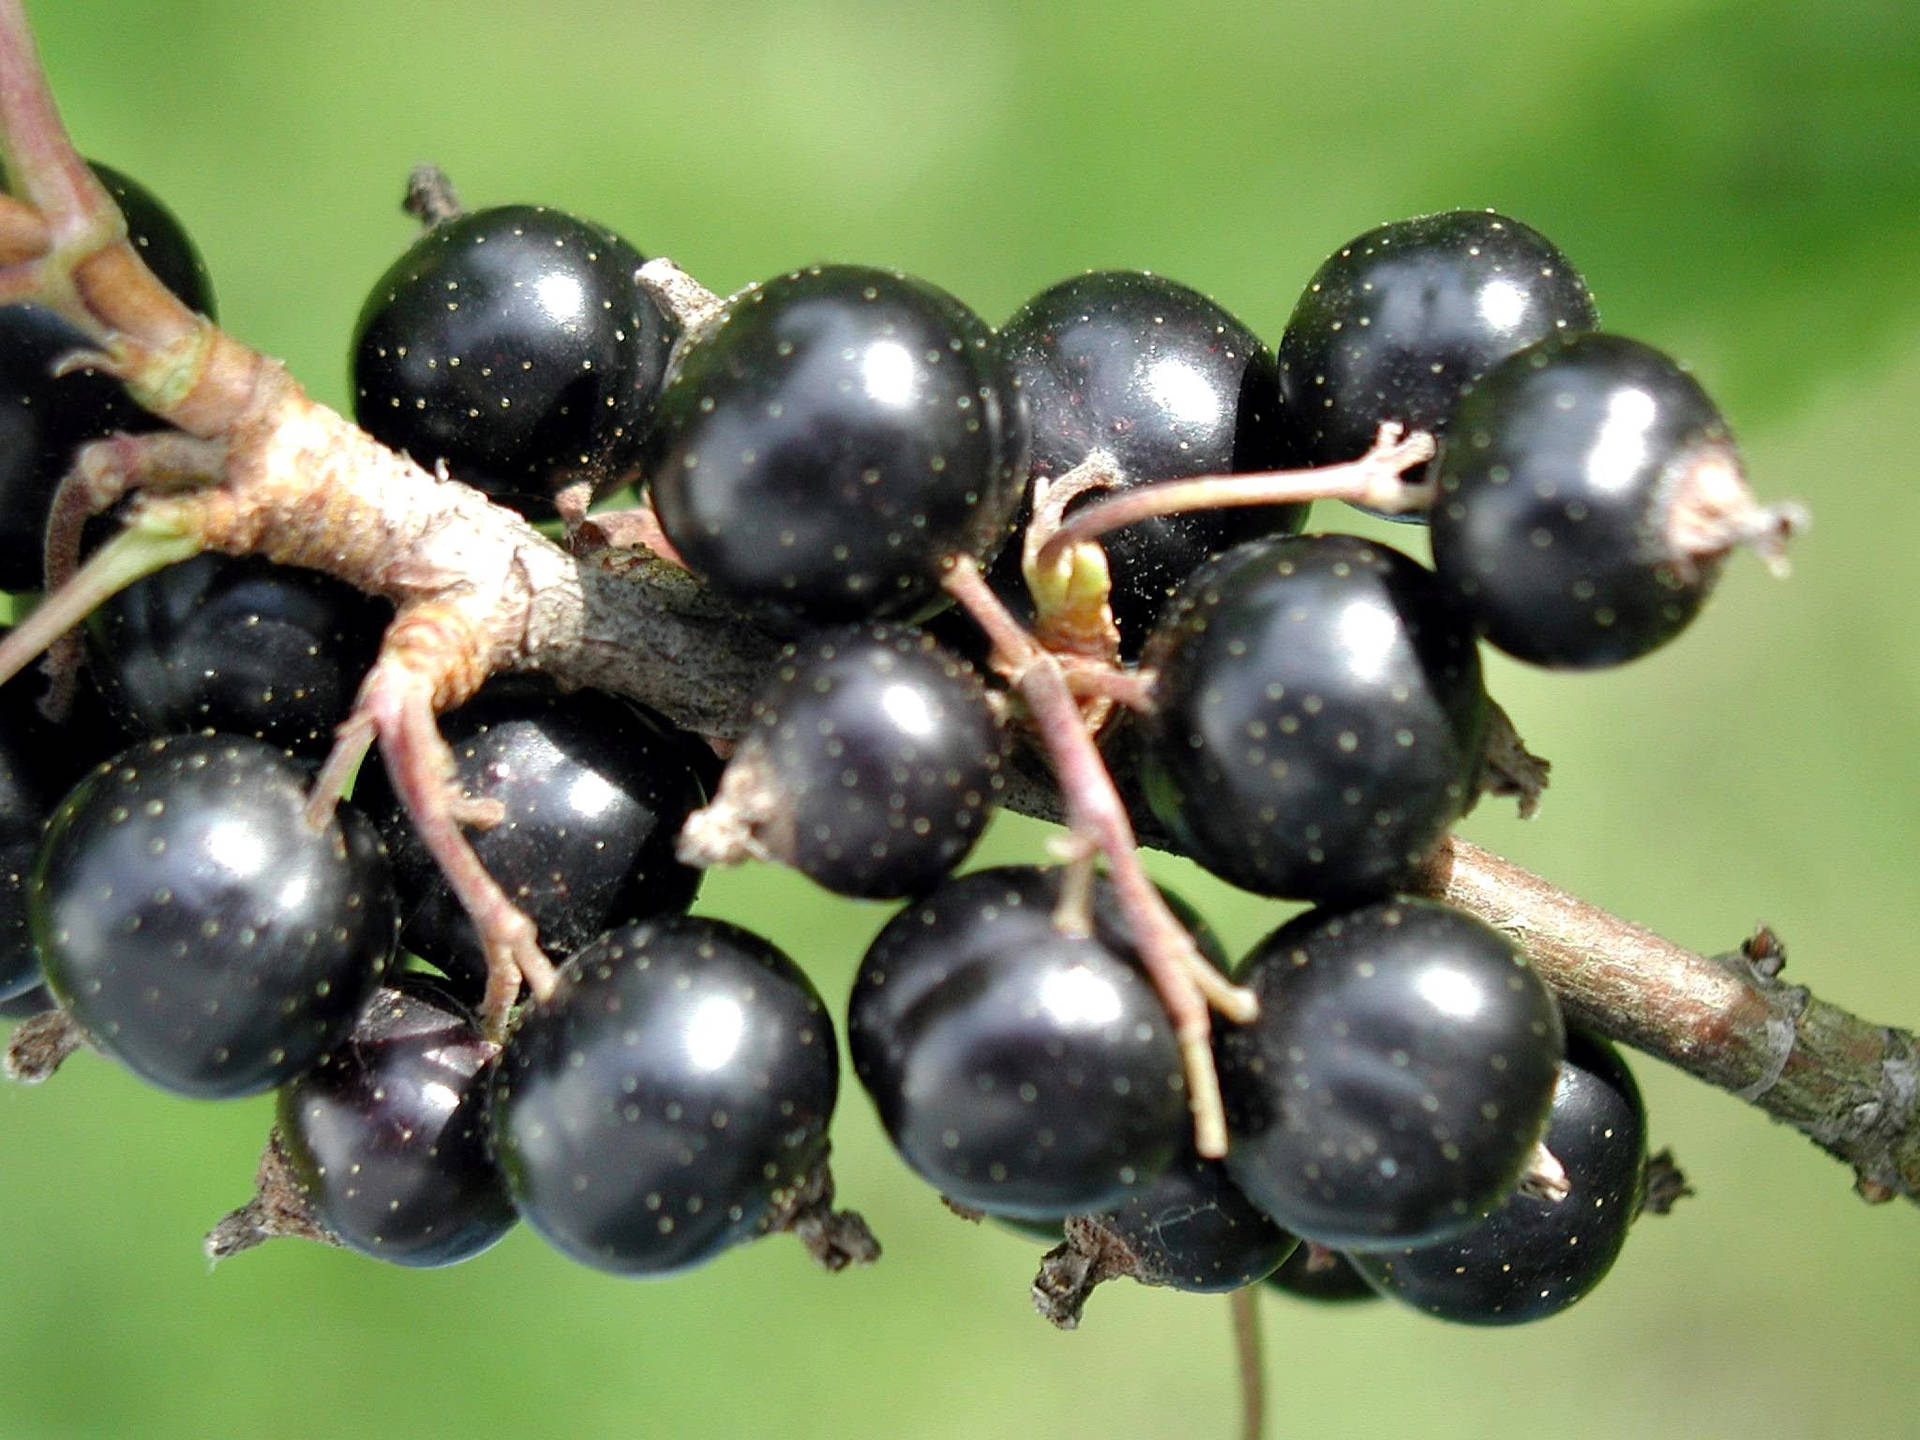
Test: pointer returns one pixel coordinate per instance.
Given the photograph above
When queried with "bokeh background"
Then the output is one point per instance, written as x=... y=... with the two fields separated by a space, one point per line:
x=1740 y=182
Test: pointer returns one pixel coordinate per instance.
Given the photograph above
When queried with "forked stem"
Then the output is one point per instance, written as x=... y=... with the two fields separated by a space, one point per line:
x=1375 y=480
x=396 y=708
x=1096 y=812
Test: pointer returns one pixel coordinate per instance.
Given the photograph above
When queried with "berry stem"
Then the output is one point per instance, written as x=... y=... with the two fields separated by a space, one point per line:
x=1247 y=1349
x=1374 y=480
x=398 y=706
x=1094 y=810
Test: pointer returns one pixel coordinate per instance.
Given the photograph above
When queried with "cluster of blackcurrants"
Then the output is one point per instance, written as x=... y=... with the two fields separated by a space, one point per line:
x=822 y=448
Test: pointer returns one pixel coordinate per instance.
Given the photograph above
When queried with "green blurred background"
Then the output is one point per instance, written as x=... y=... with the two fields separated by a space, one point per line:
x=1740 y=183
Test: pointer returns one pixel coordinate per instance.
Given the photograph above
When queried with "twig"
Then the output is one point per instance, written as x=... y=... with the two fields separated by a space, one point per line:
x=1851 y=1086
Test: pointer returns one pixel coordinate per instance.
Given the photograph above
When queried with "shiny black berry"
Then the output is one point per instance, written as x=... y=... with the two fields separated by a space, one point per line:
x=1533 y=1257
x=1190 y=1228
x=40 y=760
x=1571 y=486
x=194 y=923
x=871 y=764
x=1019 y=1066
x=593 y=789
x=33 y=780
x=513 y=345
x=1397 y=1080
x=1318 y=719
x=1170 y=385
x=670 y=1100
x=236 y=644
x=1400 y=320
x=828 y=443
x=387 y=1134
x=43 y=419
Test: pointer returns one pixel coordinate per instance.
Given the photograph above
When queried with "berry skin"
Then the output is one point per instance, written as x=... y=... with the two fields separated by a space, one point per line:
x=1319 y=719
x=1399 y=321
x=239 y=645
x=1397 y=1080
x=669 y=1099
x=387 y=1134
x=1020 y=1069
x=1171 y=385
x=512 y=345
x=197 y=928
x=39 y=762
x=832 y=439
x=44 y=419
x=1565 y=492
x=871 y=765
x=1532 y=1258
x=1190 y=1228
x=594 y=789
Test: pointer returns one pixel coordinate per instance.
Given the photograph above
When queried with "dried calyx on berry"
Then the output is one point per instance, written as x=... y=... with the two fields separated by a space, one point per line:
x=871 y=764
x=1588 y=492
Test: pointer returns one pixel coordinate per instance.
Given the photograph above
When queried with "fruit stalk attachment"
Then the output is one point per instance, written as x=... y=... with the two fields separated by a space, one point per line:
x=1098 y=817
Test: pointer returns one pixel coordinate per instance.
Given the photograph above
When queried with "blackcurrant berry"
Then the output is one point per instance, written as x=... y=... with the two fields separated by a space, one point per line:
x=513 y=345
x=387 y=1134
x=1318 y=718
x=1400 y=320
x=33 y=780
x=43 y=419
x=1191 y=1229
x=195 y=924
x=832 y=439
x=1570 y=488
x=1188 y=1229
x=871 y=765
x=1532 y=1257
x=1397 y=1080
x=39 y=762
x=236 y=644
x=669 y=1100
x=593 y=790
x=1170 y=385
x=1020 y=1065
